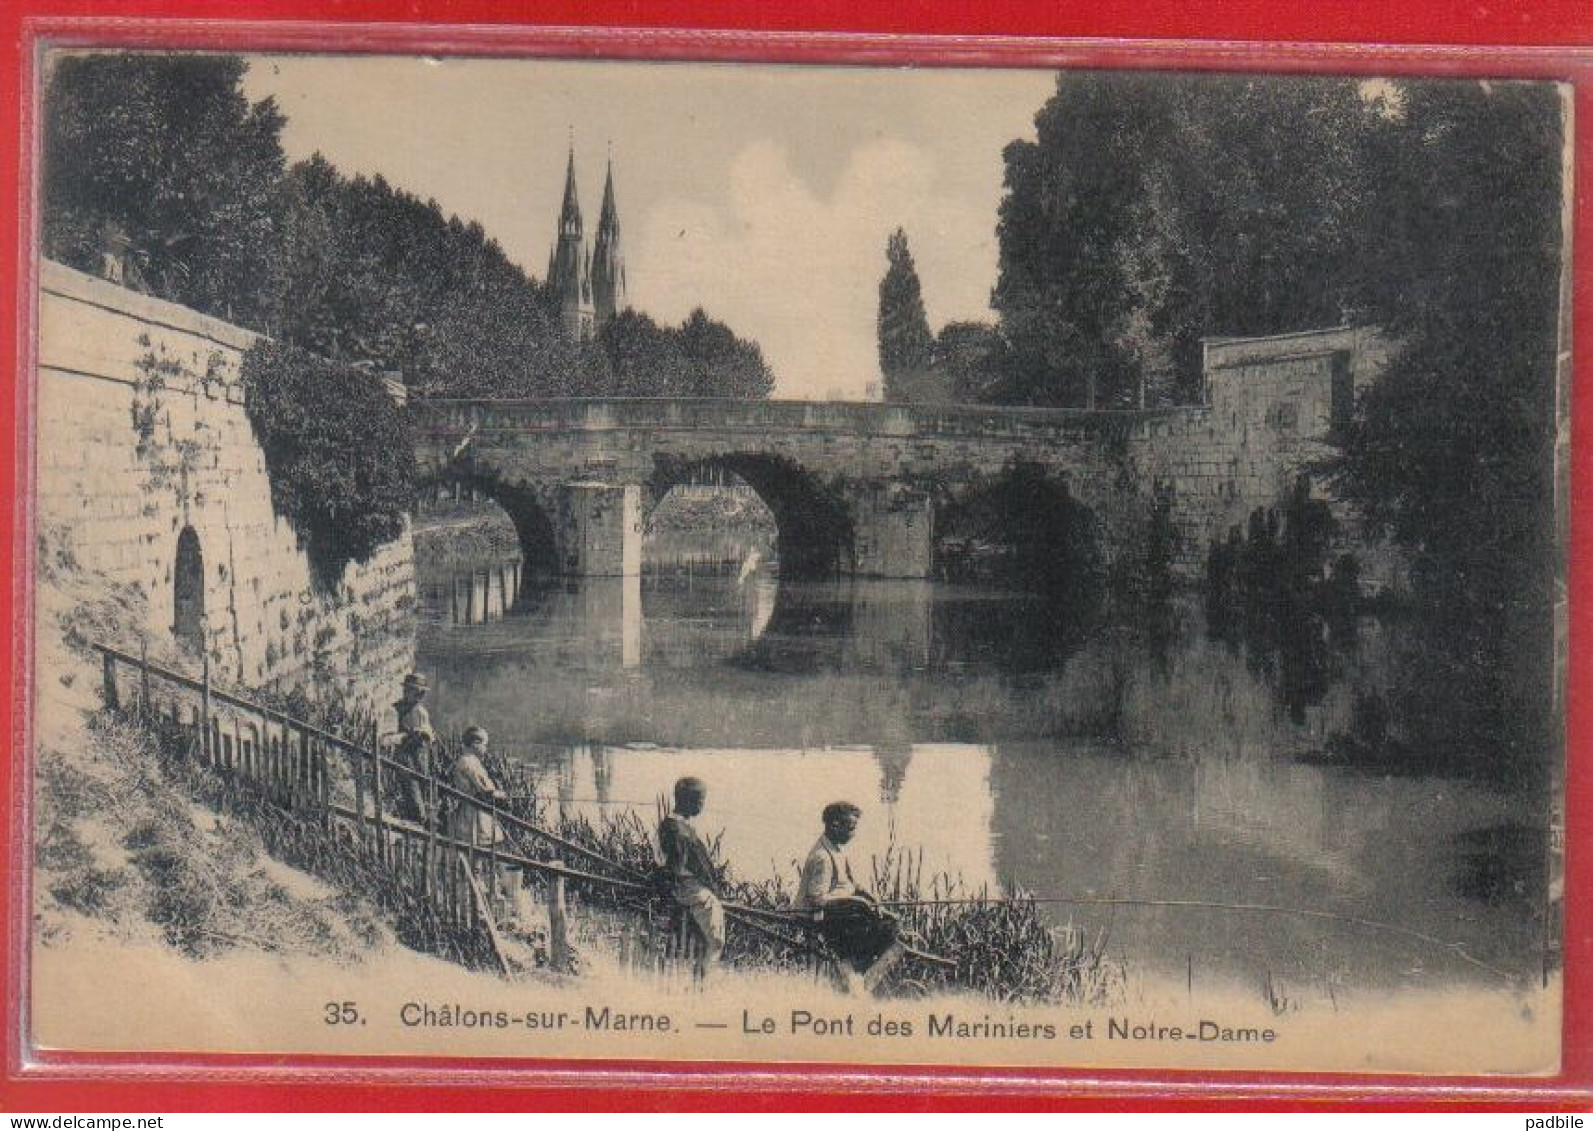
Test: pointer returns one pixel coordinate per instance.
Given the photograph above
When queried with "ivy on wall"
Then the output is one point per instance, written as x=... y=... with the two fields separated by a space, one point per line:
x=170 y=460
x=340 y=453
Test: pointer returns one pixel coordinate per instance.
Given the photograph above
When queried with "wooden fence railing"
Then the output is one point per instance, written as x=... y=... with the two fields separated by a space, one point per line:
x=345 y=787
x=334 y=795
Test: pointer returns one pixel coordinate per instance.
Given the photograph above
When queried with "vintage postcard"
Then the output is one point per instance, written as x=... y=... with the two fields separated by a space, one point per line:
x=555 y=561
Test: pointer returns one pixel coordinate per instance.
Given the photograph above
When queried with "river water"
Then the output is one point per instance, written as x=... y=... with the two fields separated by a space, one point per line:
x=1177 y=791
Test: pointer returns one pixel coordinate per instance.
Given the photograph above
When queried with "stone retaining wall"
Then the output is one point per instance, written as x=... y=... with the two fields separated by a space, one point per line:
x=1269 y=417
x=141 y=433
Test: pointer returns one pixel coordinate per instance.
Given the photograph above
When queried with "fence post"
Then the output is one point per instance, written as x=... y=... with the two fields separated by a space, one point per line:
x=432 y=824
x=281 y=762
x=268 y=758
x=143 y=675
x=112 y=700
x=206 y=753
x=324 y=768
x=376 y=792
x=359 y=789
x=304 y=768
x=472 y=868
x=492 y=869
x=275 y=757
x=558 y=925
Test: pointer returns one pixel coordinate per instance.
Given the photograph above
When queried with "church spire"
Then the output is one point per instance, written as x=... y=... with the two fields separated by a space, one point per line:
x=609 y=220
x=569 y=266
x=608 y=259
x=570 y=216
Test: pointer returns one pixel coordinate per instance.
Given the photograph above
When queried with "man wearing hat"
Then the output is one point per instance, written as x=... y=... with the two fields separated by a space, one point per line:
x=411 y=742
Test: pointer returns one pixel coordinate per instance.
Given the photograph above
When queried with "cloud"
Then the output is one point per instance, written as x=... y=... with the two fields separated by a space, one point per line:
x=799 y=272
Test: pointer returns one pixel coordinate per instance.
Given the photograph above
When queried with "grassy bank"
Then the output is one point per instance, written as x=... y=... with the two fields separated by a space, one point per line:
x=123 y=852
x=464 y=534
x=469 y=533
x=711 y=511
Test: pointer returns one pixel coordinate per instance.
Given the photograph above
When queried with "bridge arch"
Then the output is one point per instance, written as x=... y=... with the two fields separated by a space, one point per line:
x=1025 y=528
x=529 y=508
x=814 y=523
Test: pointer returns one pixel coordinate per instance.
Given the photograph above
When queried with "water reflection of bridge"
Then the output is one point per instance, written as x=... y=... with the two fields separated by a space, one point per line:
x=884 y=664
x=599 y=622
x=879 y=625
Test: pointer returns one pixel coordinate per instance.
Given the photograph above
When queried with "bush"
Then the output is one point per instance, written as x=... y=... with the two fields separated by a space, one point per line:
x=339 y=451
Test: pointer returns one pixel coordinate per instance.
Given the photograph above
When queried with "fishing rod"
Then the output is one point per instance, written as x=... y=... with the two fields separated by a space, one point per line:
x=1455 y=948
x=562 y=800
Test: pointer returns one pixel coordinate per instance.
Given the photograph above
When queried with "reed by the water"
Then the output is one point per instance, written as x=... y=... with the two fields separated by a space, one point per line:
x=999 y=945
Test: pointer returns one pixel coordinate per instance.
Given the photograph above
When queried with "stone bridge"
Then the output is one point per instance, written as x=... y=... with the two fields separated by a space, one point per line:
x=854 y=488
x=867 y=489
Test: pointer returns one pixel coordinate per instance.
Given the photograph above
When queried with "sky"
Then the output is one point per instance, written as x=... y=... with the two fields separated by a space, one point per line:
x=763 y=194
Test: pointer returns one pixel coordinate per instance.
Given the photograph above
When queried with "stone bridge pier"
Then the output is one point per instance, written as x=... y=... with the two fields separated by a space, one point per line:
x=894 y=534
x=597 y=529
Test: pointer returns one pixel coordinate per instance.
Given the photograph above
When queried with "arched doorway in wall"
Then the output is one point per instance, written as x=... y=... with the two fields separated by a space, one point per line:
x=188 y=587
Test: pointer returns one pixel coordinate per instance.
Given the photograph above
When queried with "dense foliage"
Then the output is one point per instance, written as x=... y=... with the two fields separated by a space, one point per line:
x=1154 y=209
x=968 y=357
x=339 y=450
x=721 y=364
x=1452 y=449
x=165 y=157
x=369 y=273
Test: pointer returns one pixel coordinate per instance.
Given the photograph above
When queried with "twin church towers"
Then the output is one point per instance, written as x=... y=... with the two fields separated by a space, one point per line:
x=589 y=282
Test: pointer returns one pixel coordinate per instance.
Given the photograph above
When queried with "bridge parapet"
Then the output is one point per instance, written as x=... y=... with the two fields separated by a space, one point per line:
x=834 y=417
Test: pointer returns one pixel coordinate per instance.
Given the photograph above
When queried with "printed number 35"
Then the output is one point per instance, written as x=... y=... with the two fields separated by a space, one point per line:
x=342 y=1013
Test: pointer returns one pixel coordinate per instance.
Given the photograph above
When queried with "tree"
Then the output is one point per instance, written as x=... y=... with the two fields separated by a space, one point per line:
x=1451 y=452
x=904 y=338
x=722 y=365
x=165 y=153
x=364 y=272
x=1153 y=210
x=969 y=358
x=644 y=358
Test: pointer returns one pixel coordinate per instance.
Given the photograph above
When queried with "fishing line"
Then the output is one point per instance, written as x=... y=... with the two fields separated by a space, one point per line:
x=1455 y=948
